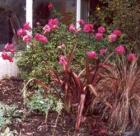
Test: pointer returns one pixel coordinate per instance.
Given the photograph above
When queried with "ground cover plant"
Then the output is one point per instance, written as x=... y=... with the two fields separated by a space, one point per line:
x=84 y=71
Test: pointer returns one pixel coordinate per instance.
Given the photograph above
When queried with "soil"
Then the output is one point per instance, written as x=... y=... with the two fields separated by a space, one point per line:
x=33 y=123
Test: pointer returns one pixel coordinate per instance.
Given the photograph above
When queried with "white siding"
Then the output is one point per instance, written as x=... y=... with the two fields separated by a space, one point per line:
x=78 y=12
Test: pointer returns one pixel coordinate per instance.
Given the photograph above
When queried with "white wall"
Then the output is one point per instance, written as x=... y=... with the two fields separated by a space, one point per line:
x=7 y=69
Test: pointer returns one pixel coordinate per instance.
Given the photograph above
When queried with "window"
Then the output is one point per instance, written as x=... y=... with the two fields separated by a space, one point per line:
x=12 y=16
x=41 y=12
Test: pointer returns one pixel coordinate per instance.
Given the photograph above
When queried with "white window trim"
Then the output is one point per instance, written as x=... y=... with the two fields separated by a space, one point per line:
x=78 y=13
x=29 y=12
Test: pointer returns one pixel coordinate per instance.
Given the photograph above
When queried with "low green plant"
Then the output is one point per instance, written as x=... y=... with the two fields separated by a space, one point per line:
x=8 y=132
x=40 y=100
x=6 y=114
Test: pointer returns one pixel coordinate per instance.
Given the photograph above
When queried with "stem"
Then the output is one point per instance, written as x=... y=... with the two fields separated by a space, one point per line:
x=46 y=117
x=55 y=125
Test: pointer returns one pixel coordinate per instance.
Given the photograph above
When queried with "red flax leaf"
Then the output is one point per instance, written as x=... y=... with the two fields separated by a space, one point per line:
x=80 y=110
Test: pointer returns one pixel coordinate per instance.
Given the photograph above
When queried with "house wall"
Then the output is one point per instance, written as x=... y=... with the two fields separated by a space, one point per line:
x=12 y=16
x=8 y=69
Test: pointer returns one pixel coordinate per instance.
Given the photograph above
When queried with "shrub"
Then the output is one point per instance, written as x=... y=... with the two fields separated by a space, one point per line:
x=37 y=60
x=122 y=14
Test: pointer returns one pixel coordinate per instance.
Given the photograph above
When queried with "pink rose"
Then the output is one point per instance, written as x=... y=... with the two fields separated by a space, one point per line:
x=117 y=32
x=81 y=22
x=21 y=32
x=12 y=51
x=40 y=38
x=50 y=6
x=131 y=57
x=120 y=49
x=102 y=51
x=8 y=47
x=99 y=36
x=6 y=56
x=112 y=37
x=72 y=28
x=53 y=23
x=46 y=29
x=88 y=28
x=27 y=38
x=63 y=61
x=91 y=55
x=27 y=26
x=101 y=29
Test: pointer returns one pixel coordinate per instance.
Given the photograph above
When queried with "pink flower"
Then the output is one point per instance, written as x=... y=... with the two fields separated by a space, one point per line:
x=61 y=46
x=88 y=28
x=81 y=22
x=12 y=51
x=102 y=51
x=72 y=28
x=8 y=47
x=40 y=38
x=27 y=38
x=6 y=56
x=112 y=37
x=117 y=32
x=131 y=57
x=91 y=55
x=120 y=49
x=46 y=29
x=27 y=26
x=38 y=23
x=53 y=23
x=99 y=36
x=21 y=32
x=63 y=61
x=101 y=29
x=50 y=6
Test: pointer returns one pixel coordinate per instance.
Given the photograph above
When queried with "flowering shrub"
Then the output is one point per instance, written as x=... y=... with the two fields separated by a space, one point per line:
x=8 y=52
x=55 y=40
x=122 y=14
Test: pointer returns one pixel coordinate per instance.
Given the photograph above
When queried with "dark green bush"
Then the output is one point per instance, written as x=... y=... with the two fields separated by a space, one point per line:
x=124 y=14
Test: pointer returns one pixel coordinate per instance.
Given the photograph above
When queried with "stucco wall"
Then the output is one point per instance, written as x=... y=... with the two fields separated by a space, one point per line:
x=7 y=68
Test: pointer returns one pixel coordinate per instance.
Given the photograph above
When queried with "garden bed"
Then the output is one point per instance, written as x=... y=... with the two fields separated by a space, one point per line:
x=33 y=123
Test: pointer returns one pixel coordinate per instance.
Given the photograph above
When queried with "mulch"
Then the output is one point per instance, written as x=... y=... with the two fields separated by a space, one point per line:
x=33 y=123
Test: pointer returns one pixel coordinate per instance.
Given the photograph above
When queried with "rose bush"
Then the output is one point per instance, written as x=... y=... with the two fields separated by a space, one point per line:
x=56 y=39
